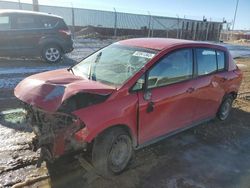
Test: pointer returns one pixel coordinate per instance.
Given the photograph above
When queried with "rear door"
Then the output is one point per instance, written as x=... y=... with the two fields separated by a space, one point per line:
x=209 y=83
x=26 y=33
x=168 y=103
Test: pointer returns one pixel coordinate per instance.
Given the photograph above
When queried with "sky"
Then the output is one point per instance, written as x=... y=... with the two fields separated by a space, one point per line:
x=215 y=10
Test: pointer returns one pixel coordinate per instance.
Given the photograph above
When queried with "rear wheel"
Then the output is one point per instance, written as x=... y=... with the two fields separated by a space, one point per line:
x=225 y=108
x=52 y=54
x=112 y=152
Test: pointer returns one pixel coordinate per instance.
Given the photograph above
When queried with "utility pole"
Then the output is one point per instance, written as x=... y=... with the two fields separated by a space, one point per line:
x=235 y=14
x=35 y=5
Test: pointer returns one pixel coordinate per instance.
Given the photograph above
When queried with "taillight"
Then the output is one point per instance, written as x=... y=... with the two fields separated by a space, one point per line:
x=65 y=32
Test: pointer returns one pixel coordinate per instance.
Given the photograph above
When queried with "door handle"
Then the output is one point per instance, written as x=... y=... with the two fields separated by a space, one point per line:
x=150 y=107
x=190 y=90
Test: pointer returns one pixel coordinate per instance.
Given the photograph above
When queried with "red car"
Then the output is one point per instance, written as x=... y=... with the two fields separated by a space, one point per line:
x=128 y=95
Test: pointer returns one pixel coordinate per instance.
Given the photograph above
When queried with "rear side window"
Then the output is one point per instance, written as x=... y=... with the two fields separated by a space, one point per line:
x=173 y=68
x=48 y=22
x=206 y=61
x=221 y=60
x=25 y=22
x=4 y=22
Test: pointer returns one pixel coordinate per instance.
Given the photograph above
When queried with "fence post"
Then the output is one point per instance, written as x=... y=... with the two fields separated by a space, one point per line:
x=182 y=28
x=177 y=31
x=149 y=23
x=73 y=20
x=35 y=5
x=194 y=30
x=207 y=31
x=152 y=28
x=115 y=24
x=20 y=5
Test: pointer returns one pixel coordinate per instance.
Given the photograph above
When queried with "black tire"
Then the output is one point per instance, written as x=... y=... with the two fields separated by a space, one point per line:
x=225 y=108
x=112 y=151
x=52 y=53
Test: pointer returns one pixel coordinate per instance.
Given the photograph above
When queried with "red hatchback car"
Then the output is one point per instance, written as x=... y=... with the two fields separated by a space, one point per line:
x=128 y=95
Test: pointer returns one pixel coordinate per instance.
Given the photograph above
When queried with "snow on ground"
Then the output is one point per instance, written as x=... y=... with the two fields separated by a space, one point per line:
x=25 y=70
x=238 y=50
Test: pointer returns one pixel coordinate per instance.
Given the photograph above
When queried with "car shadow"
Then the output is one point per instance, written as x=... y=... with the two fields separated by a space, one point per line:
x=213 y=154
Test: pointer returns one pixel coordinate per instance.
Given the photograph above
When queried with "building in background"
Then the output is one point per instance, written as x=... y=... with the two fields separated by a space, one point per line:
x=93 y=23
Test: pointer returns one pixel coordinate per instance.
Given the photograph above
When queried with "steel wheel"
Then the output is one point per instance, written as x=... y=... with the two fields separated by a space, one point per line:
x=225 y=108
x=119 y=155
x=112 y=151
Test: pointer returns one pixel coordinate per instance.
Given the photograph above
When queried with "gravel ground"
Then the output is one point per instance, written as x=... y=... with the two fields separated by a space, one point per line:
x=214 y=154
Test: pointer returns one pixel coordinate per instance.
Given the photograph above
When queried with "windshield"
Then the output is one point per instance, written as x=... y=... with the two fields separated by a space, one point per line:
x=114 y=64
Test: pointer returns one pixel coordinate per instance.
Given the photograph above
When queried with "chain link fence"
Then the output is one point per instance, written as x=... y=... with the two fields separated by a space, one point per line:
x=94 y=23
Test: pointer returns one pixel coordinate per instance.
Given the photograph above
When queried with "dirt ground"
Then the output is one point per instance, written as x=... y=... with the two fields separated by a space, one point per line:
x=214 y=154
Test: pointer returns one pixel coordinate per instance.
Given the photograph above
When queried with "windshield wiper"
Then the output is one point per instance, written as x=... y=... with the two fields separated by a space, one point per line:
x=71 y=69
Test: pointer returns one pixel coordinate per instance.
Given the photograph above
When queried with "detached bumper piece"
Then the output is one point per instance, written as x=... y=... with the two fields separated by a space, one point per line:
x=54 y=133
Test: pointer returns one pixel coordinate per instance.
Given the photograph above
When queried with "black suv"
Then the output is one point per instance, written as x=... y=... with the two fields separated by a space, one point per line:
x=27 y=33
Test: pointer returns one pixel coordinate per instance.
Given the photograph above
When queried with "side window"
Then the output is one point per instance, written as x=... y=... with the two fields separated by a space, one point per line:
x=206 y=61
x=48 y=22
x=25 y=22
x=221 y=60
x=4 y=22
x=176 y=67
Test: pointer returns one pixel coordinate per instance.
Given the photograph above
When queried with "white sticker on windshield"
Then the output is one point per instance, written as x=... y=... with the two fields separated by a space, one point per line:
x=144 y=54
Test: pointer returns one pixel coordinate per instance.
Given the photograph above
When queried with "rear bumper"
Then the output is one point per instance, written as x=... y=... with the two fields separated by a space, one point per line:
x=68 y=46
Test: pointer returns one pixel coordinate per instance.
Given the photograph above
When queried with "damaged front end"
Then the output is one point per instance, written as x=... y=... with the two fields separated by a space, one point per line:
x=54 y=133
x=50 y=98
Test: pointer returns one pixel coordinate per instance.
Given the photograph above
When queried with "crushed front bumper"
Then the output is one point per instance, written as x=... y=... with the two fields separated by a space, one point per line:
x=55 y=133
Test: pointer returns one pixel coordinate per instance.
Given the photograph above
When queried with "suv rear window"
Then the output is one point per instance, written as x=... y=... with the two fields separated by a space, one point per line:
x=206 y=61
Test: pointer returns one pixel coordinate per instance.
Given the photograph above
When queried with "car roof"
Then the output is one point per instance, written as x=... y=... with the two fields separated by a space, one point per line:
x=162 y=43
x=26 y=12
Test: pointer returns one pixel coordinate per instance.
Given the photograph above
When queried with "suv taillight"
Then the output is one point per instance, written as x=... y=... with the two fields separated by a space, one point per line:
x=65 y=32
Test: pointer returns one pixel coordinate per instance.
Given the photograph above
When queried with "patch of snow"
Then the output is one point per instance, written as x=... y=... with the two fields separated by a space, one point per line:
x=8 y=83
x=25 y=70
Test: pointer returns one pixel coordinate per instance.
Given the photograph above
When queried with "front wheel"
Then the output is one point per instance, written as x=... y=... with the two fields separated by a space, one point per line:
x=225 y=108
x=52 y=54
x=112 y=152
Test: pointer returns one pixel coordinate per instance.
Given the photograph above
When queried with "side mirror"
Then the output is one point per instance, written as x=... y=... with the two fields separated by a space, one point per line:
x=147 y=95
x=139 y=84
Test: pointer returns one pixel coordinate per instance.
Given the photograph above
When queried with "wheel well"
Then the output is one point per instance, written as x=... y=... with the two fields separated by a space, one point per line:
x=233 y=94
x=124 y=127
x=52 y=44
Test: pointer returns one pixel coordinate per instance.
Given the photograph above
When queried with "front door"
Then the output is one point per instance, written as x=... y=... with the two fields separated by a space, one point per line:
x=168 y=103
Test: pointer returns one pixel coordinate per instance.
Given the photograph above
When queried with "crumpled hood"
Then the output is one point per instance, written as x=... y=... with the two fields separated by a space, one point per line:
x=48 y=90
